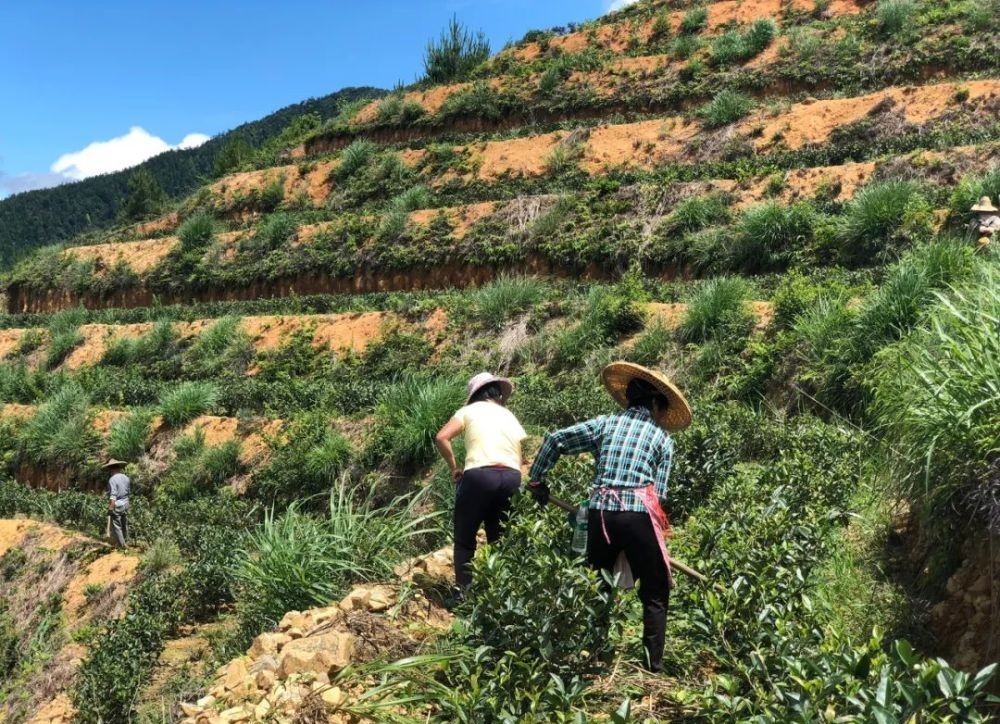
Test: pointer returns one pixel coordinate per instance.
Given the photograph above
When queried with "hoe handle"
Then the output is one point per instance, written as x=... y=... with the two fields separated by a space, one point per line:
x=674 y=563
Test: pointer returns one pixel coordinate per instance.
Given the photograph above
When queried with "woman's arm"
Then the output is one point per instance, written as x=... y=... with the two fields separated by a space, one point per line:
x=451 y=430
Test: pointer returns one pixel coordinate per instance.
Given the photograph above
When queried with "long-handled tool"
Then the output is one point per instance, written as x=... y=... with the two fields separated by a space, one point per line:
x=674 y=563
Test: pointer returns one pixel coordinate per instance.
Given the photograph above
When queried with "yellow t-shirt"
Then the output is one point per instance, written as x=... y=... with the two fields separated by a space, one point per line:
x=492 y=435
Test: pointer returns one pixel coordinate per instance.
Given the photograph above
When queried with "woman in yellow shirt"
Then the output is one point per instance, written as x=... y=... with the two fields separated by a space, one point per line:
x=492 y=471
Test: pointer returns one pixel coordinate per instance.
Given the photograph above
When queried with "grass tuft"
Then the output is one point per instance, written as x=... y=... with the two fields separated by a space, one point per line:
x=727 y=107
x=716 y=310
x=187 y=401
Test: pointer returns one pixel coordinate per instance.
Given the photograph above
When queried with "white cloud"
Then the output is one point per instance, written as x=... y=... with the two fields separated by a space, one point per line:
x=118 y=153
x=615 y=5
x=192 y=140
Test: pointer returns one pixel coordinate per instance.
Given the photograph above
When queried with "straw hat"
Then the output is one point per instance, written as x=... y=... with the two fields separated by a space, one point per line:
x=113 y=463
x=985 y=204
x=616 y=377
x=484 y=378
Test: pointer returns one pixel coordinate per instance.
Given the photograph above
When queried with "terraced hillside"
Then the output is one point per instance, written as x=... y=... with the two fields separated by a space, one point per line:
x=767 y=199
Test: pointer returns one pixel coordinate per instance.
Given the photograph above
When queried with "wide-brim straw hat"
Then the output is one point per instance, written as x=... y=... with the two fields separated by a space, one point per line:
x=485 y=378
x=114 y=463
x=616 y=377
x=985 y=204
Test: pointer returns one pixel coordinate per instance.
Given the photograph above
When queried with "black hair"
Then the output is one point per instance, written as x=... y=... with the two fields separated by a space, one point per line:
x=491 y=392
x=640 y=393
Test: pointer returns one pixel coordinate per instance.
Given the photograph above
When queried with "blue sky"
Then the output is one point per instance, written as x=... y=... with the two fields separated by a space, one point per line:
x=146 y=76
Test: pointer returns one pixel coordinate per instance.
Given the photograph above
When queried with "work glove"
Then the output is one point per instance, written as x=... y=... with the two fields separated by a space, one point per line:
x=540 y=492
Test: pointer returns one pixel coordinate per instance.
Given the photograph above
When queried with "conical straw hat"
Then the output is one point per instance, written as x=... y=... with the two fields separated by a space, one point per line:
x=616 y=377
x=113 y=463
x=985 y=204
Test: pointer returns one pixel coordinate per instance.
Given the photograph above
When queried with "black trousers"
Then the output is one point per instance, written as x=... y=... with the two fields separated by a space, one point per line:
x=634 y=534
x=482 y=499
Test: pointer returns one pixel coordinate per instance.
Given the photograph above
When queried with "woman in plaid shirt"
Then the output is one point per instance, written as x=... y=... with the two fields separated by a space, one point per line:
x=633 y=453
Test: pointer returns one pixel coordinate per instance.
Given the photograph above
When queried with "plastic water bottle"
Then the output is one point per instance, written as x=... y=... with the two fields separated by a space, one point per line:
x=579 y=544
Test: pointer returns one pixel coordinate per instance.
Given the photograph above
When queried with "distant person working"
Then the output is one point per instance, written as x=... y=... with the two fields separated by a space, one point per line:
x=119 y=489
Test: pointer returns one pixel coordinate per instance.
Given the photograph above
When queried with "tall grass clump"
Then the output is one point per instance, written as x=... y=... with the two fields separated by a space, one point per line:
x=937 y=393
x=893 y=16
x=718 y=309
x=129 y=435
x=354 y=158
x=222 y=348
x=698 y=212
x=296 y=561
x=187 y=401
x=307 y=460
x=872 y=219
x=505 y=297
x=415 y=197
x=651 y=345
x=768 y=235
x=64 y=335
x=694 y=21
x=155 y=346
x=454 y=55
x=737 y=46
x=60 y=432
x=409 y=415
x=727 y=107
x=196 y=232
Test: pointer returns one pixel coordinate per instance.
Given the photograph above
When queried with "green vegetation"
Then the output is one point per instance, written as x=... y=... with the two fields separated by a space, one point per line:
x=145 y=198
x=833 y=327
x=455 y=54
x=187 y=401
x=727 y=107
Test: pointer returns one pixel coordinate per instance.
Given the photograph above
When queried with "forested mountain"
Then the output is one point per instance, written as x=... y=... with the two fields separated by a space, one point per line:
x=36 y=218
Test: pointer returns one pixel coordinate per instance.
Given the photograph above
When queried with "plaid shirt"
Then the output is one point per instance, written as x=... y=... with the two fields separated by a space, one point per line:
x=629 y=449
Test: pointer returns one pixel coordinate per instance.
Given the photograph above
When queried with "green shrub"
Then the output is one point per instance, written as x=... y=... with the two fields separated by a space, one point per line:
x=505 y=297
x=158 y=349
x=894 y=16
x=30 y=340
x=296 y=561
x=727 y=107
x=128 y=435
x=409 y=415
x=273 y=233
x=308 y=461
x=768 y=235
x=611 y=312
x=872 y=220
x=694 y=21
x=187 y=401
x=796 y=293
x=19 y=384
x=354 y=158
x=124 y=652
x=196 y=232
x=455 y=54
x=272 y=195
x=718 y=309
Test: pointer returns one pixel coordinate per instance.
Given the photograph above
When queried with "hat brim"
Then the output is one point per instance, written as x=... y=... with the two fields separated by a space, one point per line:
x=506 y=388
x=112 y=463
x=616 y=377
x=985 y=209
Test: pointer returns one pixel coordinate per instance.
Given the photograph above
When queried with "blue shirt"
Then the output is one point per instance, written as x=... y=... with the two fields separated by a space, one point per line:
x=630 y=452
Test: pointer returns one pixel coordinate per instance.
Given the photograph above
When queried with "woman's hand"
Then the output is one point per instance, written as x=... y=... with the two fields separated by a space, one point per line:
x=456 y=475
